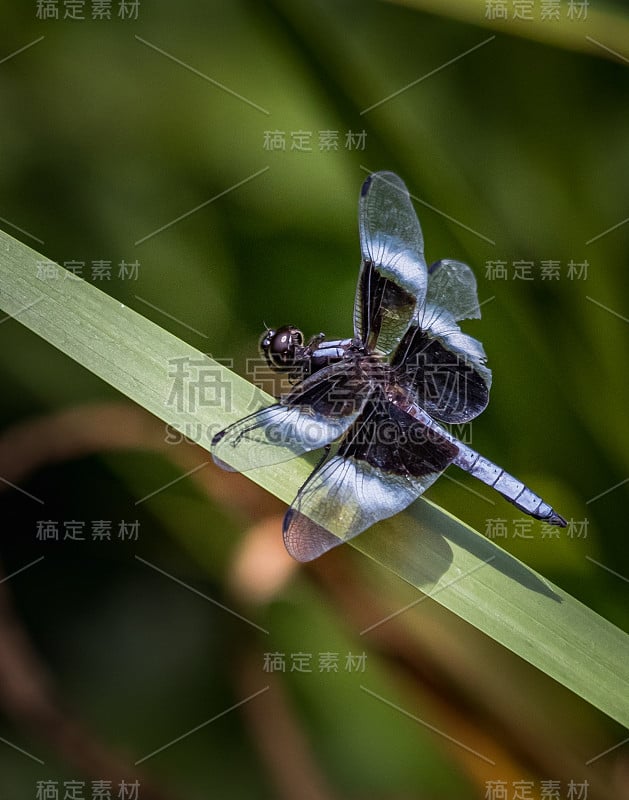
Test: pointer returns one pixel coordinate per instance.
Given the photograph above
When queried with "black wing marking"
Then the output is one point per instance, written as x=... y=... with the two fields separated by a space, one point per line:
x=316 y=412
x=393 y=277
x=385 y=461
x=444 y=383
x=444 y=367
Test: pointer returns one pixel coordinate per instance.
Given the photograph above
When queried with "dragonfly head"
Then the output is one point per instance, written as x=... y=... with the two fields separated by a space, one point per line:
x=282 y=347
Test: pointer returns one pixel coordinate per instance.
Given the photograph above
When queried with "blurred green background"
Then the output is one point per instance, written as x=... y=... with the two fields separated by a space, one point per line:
x=516 y=152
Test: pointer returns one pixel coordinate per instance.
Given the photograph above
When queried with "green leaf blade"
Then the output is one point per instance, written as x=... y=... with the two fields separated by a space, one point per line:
x=426 y=546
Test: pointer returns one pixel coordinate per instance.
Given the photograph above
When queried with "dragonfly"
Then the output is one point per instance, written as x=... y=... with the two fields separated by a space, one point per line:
x=378 y=402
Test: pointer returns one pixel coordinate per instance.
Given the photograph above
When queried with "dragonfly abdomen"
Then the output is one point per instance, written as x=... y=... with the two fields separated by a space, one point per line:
x=509 y=487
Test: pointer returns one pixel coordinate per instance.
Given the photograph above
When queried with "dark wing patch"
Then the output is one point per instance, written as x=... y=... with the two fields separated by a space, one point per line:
x=393 y=277
x=444 y=367
x=316 y=412
x=389 y=439
x=444 y=383
x=385 y=461
x=386 y=306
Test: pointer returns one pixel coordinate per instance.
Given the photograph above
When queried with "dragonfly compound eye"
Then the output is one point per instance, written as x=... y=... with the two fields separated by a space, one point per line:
x=280 y=346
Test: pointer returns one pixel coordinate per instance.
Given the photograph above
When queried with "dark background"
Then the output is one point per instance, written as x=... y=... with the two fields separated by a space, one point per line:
x=517 y=153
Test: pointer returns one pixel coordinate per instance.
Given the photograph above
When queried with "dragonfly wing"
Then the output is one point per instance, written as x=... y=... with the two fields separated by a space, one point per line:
x=450 y=382
x=316 y=412
x=393 y=277
x=446 y=367
x=451 y=286
x=385 y=461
